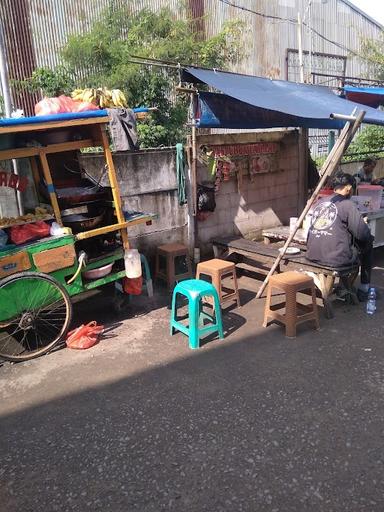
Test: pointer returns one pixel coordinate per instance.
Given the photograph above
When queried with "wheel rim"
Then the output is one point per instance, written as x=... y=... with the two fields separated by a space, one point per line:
x=34 y=315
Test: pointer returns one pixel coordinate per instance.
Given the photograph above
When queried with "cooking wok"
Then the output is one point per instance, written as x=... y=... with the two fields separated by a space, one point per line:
x=82 y=222
x=82 y=193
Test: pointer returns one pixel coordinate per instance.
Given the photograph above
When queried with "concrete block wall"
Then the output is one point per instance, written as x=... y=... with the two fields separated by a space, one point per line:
x=266 y=202
x=148 y=183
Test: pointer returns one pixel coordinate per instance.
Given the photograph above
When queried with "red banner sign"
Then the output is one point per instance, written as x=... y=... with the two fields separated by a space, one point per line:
x=8 y=179
x=257 y=148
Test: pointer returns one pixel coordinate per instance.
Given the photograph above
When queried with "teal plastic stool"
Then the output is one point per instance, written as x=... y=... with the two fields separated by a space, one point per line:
x=147 y=275
x=195 y=291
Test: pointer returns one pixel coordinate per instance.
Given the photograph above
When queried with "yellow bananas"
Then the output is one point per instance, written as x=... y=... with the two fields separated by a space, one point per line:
x=102 y=97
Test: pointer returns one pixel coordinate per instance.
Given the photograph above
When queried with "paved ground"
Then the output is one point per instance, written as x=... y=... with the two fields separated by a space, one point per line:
x=252 y=423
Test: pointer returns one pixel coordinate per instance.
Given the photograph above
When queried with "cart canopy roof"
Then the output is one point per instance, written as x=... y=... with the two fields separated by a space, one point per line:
x=252 y=102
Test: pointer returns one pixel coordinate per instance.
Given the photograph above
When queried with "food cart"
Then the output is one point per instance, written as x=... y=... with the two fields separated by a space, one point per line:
x=86 y=247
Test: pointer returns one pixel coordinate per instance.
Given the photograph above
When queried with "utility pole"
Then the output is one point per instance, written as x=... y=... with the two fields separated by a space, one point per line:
x=4 y=76
x=300 y=46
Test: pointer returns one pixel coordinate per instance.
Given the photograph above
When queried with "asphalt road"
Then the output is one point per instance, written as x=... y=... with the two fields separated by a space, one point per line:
x=252 y=423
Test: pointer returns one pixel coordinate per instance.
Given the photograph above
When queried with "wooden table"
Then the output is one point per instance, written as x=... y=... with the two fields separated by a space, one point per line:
x=262 y=257
x=282 y=233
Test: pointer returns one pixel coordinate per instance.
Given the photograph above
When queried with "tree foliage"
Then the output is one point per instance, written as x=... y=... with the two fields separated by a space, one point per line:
x=369 y=142
x=51 y=82
x=101 y=58
x=373 y=53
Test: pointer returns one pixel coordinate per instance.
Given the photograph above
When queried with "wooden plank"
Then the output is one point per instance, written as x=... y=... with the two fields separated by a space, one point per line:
x=14 y=263
x=35 y=172
x=8 y=154
x=113 y=227
x=55 y=259
x=68 y=146
x=52 y=194
x=48 y=125
x=101 y=231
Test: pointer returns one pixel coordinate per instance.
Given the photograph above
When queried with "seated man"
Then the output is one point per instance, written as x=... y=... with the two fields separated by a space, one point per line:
x=366 y=173
x=338 y=235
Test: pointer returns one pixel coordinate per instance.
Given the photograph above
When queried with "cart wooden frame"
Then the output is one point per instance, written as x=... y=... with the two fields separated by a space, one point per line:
x=52 y=262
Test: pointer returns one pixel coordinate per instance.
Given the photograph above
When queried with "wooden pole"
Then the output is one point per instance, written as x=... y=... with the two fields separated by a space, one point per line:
x=194 y=170
x=303 y=168
x=327 y=171
x=114 y=186
x=50 y=187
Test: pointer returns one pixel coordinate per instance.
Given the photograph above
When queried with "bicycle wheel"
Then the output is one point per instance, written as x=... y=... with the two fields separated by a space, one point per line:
x=35 y=314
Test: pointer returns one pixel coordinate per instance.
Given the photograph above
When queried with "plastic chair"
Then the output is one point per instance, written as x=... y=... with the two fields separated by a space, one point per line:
x=217 y=270
x=291 y=283
x=195 y=291
x=172 y=255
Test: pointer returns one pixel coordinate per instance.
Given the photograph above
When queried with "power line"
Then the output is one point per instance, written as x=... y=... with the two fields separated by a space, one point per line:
x=291 y=20
x=261 y=14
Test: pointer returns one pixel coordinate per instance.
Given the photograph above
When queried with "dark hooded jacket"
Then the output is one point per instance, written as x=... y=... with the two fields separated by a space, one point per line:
x=336 y=226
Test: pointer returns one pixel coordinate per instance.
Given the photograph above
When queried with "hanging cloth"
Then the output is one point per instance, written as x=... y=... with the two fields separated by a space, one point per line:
x=180 y=172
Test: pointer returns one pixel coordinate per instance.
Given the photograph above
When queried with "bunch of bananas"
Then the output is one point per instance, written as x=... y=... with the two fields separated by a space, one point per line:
x=102 y=97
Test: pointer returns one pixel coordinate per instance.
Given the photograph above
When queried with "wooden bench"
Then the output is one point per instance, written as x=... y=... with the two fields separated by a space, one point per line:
x=262 y=256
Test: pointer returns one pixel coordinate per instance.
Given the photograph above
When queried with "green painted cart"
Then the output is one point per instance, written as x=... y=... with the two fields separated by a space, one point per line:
x=38 y=279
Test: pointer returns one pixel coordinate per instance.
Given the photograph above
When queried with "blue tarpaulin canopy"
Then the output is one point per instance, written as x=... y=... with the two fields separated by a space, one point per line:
x=372 y=96
x=253 y=102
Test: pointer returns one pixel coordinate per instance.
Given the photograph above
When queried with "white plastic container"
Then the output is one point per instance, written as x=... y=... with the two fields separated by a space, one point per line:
x=132 y=263
x=292 y=224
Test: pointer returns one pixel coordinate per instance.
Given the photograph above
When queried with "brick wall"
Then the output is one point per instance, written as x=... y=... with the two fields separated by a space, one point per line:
x=267 y=201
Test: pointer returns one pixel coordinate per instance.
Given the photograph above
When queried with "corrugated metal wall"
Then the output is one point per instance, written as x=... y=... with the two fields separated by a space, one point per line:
x=36 y=30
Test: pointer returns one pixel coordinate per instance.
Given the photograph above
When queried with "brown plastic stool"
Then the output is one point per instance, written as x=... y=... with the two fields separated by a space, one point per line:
x=291 y=283
x=170 y=252
x=217 y=270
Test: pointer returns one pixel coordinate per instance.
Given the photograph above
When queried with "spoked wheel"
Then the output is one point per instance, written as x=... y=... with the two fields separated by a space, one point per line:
x=35 y=314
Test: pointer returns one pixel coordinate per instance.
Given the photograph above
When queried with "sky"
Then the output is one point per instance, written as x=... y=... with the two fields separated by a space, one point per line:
x=375 y=8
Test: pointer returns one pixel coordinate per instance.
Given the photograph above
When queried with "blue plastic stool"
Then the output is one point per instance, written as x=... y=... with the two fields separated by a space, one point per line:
x=195 y=291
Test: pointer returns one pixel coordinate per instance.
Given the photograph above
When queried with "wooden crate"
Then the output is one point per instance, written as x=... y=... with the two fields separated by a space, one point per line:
x=14 y=263
x=55 y=259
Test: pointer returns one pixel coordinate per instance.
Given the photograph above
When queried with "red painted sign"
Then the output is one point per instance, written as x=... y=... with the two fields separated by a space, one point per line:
x=8 y=179
x=257 y=148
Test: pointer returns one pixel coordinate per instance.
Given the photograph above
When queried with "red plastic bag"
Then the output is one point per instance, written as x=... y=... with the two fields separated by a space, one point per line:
x=83 y=106
x=133 y=285
x=61 y=105
x=84 y=336
x=25 y=232
x=48 y=106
